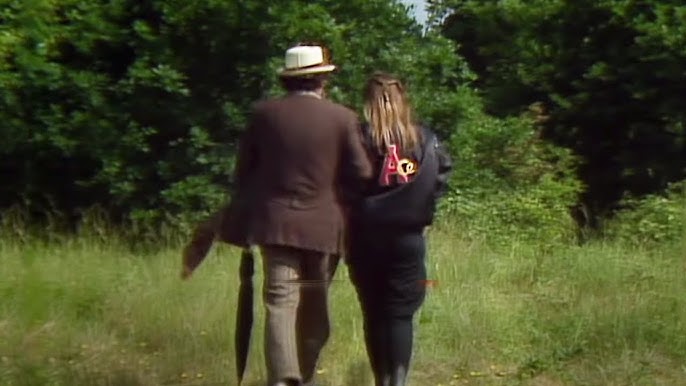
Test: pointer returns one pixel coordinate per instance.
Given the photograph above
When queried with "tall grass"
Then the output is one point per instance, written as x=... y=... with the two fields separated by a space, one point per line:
x=88 y=310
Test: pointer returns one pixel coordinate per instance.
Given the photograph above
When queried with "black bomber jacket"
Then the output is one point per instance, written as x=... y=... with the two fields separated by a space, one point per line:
x=407 y=184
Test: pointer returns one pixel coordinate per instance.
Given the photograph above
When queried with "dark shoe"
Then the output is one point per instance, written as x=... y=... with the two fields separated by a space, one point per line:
x=289 y=382
x=386 y=380
x=398 y=376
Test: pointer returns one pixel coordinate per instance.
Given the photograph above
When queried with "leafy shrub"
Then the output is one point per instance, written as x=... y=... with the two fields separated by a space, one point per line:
x=657 y=218
x=508 y=183
x=609 y=75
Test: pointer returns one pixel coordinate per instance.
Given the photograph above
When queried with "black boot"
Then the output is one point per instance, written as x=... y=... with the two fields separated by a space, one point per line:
x=382 y=379
x=289 y=382
x=398 y=376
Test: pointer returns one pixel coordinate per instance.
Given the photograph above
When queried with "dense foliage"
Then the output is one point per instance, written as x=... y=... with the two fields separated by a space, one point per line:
x=652 y=220
x=509 y=181
x=134 y=107
x=609 y=75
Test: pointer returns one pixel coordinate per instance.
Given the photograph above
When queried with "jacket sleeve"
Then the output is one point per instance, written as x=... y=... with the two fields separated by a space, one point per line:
x=248 y=157
x=357 y=168
x=445 y=167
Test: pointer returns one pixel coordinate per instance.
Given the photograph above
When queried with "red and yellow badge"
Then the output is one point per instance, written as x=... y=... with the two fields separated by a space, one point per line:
x=393 y=166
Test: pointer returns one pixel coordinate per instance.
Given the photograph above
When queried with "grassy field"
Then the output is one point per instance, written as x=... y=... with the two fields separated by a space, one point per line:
x=86 y=312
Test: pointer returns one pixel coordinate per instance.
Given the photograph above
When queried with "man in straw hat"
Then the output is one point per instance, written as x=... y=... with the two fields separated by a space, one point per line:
x=305 y=155
x=303 y=158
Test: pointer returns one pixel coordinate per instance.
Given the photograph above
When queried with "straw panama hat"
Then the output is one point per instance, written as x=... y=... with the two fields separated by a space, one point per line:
x=306 y=60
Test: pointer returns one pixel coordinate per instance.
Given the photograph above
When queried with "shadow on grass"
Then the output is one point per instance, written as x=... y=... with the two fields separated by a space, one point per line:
x=356 y=375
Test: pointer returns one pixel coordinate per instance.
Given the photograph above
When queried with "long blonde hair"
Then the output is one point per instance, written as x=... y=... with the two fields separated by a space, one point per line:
x=389 y=114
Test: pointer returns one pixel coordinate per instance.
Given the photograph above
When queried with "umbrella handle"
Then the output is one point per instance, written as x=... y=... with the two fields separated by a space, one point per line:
x=247 y=268
x=244 y=316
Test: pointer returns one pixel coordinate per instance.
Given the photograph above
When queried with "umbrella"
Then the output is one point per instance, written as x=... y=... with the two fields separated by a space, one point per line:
x=244 y=314
x=195 y=252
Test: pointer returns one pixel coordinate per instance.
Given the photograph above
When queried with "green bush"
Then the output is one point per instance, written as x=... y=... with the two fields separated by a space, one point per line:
x=508 y=183
x=607 y=73
x=654 y=219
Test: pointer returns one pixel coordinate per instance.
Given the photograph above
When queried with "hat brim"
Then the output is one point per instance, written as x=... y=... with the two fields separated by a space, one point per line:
x=307 y=71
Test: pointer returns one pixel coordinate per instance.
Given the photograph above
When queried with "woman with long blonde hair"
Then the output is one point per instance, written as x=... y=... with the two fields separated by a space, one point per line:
x=386 y=242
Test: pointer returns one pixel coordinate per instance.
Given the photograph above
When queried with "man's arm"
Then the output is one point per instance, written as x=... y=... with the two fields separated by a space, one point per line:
x=248 y=157
x=357 y=167
x=358 y=155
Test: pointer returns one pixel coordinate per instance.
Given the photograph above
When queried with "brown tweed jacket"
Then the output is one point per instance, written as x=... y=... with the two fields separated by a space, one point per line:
x=300 y=161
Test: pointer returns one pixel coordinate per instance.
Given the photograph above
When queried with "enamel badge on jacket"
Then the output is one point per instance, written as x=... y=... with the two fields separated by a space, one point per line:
x=392 y=166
